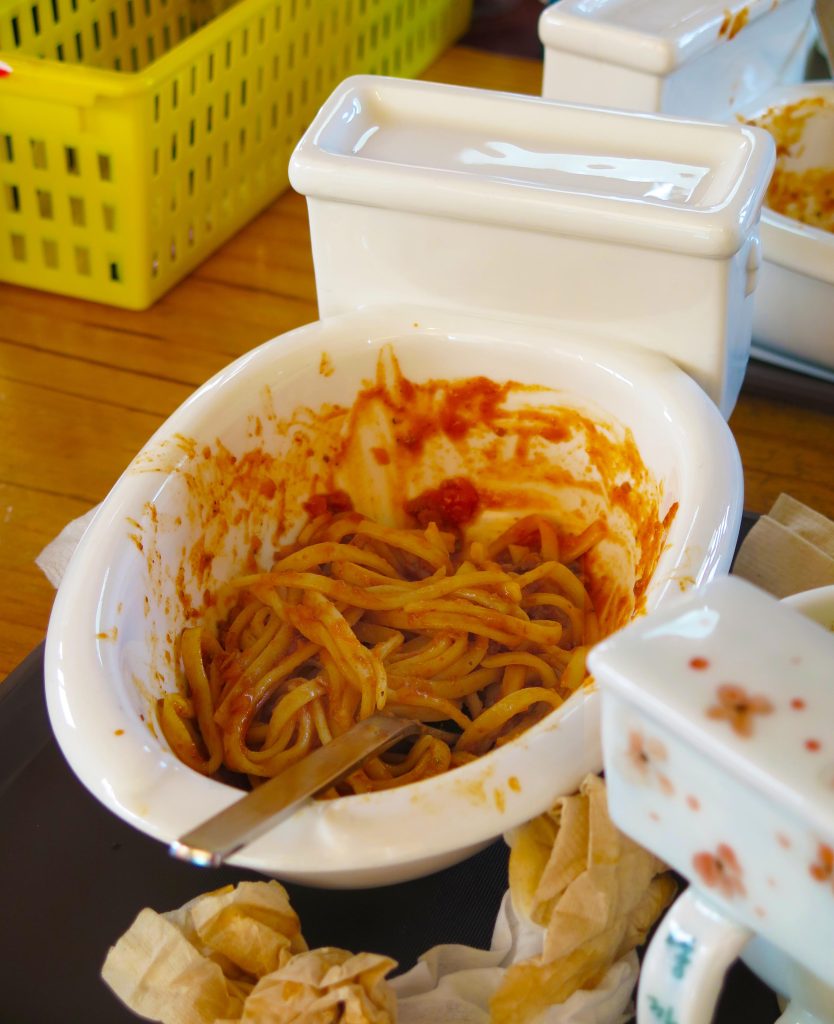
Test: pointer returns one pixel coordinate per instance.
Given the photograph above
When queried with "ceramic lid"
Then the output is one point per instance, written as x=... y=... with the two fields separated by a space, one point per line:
x=656 y=36
x=742 y=677
x=639 y=179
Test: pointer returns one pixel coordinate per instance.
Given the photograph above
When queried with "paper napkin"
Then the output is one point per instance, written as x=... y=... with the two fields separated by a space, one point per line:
x=789 y=550
x=238 y=955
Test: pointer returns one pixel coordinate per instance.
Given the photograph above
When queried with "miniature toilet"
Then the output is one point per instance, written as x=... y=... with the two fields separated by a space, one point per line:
x=605 y=263
x=724 y=62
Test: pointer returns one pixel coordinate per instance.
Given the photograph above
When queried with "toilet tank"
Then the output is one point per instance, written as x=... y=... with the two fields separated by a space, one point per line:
x=630 y=227
x=698 y=58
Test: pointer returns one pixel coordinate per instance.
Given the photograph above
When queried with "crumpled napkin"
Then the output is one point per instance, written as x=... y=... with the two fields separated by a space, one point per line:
x=163 y=969
x=789 y=550
x=323 y=986
x=581 y=897
x=595 y=892
x=198 y=964
x=455 y=984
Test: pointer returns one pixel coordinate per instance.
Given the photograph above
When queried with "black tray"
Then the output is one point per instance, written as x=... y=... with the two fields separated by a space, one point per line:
x=74 y=876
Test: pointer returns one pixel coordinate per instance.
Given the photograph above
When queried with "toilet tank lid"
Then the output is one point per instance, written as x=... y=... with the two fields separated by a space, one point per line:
x=499 y=158
x=655 y=36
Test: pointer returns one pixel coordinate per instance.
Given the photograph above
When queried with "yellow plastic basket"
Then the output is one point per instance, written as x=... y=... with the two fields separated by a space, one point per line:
x=137 y=135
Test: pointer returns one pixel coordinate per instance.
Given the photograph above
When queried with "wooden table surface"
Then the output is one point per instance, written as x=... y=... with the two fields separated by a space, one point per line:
x=83 y=386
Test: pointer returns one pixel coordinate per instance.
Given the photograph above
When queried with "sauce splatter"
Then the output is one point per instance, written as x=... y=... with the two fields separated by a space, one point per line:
x=333 y=504
x=512 y=448
x=326 y=365
x=698 y=663
x=732 y=24
x=451 y=505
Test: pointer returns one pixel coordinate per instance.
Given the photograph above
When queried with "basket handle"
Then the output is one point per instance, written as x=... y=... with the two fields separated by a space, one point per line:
x=33 y=77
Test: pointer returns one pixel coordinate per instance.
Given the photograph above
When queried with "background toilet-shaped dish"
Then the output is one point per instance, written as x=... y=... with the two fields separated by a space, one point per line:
x=720 y=62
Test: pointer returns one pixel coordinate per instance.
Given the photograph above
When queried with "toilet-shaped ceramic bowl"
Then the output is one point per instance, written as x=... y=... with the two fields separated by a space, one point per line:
x=723 y=62
x=587 y=269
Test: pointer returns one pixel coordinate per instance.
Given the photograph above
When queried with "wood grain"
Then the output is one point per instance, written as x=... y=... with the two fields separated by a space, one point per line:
x=82 y=386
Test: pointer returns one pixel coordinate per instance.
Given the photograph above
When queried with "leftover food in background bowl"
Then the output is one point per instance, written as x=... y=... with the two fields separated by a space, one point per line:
x=628 y=462
x=802 y=186
x=794 y=305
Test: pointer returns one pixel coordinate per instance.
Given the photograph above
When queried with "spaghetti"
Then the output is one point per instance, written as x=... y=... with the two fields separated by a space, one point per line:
x=476 y=640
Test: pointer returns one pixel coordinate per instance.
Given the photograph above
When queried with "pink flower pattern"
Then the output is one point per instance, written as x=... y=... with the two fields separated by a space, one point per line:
x=646 y=755
x=738 y=708
x=720 y=870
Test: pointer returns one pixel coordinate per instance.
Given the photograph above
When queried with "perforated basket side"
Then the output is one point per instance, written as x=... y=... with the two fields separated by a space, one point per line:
x=115 y=184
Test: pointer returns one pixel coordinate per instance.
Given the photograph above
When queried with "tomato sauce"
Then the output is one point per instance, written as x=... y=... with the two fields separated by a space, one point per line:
x=455 y=452
x=451 y=505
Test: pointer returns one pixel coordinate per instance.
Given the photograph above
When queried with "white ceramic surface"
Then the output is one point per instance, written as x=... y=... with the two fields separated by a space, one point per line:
x=815 y=604
x=675 y=57
x=718 y=741
x=639 y=229
x=794 y=308
x=106 y=645
x=695 y=58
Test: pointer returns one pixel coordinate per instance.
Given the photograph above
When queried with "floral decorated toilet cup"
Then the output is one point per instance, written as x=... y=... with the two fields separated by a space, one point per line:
x=718 y=742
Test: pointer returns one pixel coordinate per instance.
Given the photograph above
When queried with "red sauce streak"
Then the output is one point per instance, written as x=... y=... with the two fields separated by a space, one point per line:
x=734 y=23
x=462 y=406
x=698 y=663
x=495 y=439
x=454 y=503
x=332 y=503
x=812 y=745
x=798 y=704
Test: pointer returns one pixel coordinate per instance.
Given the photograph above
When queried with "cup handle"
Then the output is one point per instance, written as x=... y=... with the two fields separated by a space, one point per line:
x=686 y=961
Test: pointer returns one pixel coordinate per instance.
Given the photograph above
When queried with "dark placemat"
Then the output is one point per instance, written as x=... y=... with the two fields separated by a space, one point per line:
x=74 y=876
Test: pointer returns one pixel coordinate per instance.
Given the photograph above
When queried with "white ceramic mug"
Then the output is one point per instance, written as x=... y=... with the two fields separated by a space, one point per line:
x=718 y=742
